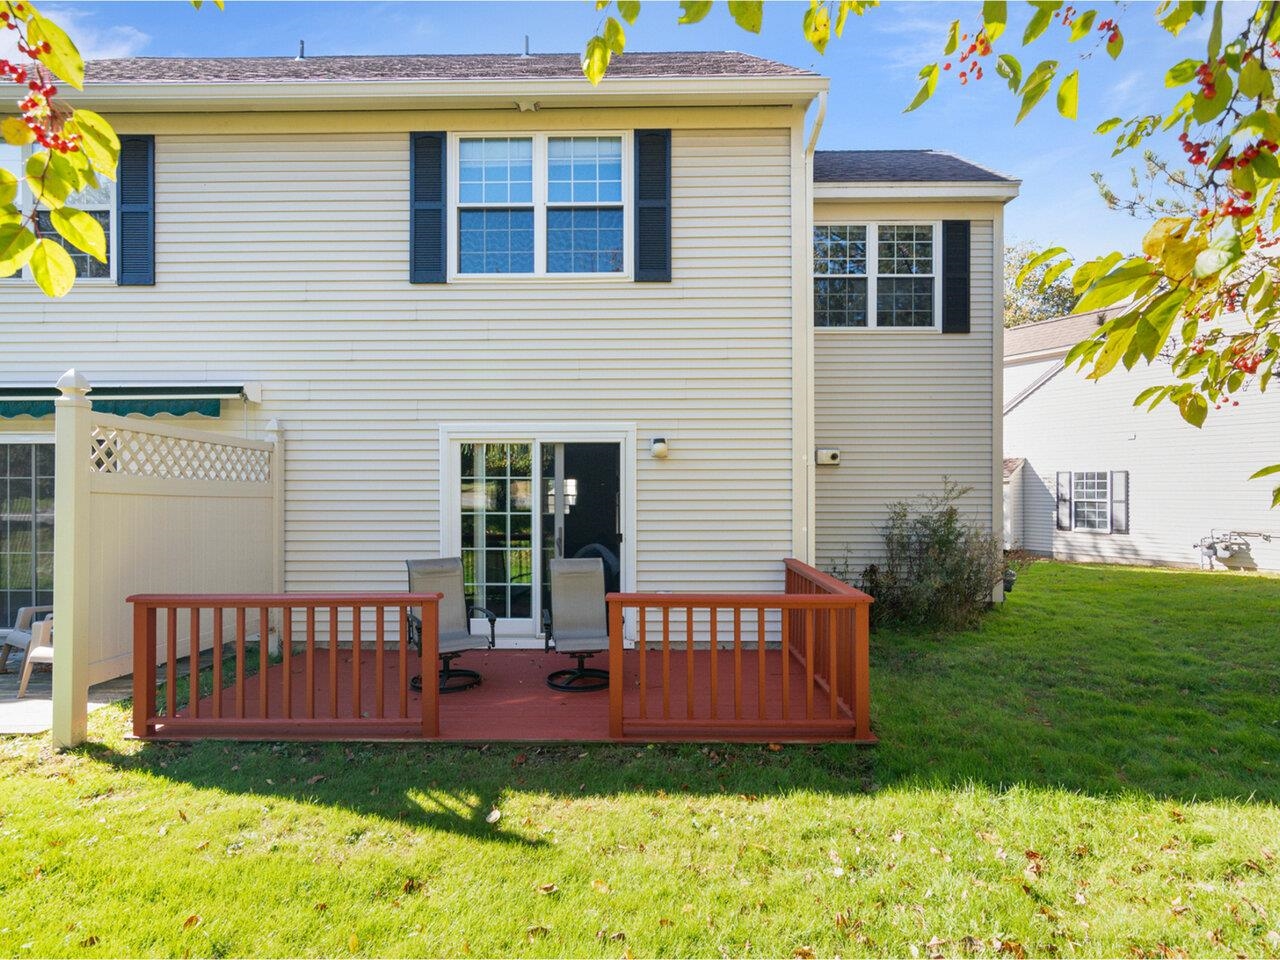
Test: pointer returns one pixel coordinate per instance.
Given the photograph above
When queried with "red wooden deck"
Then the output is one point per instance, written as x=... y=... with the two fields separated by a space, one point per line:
x=513 y=703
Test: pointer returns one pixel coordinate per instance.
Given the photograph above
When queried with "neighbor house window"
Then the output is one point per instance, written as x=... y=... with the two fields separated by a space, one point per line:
x=1090 y=501
x=98 y=202
x=539 y=204
x=875 y=275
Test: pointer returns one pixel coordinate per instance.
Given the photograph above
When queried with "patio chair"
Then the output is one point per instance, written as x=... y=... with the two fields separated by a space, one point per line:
x=578 y=623
x=39 y=650
x=19 y=638
x=445 y=576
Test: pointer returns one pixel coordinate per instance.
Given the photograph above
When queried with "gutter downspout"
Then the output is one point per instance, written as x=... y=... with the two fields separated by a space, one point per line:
x=810 y=401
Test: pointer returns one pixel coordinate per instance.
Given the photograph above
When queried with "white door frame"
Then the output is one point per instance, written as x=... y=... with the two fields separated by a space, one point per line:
x=453 y=435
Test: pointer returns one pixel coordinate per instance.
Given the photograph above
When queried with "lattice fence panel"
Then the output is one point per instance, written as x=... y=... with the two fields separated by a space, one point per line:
x=138 y=453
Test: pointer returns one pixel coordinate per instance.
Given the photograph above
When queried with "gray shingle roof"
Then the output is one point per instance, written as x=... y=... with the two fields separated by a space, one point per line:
x=1058 y=333
x=488 y=66
x=900 y=166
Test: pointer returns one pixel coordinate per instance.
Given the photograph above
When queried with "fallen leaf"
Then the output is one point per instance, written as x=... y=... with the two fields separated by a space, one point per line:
x=321 y=907
x=803 y=953
x=897 y=836
x=202 y=844
x=600 y=886
x=988 y=836
x=182 y=816
x=533 y=933
x=548 y=888
x=494 y=816
x=775 y=747
x=618 y=937
x=191 y=921
x=163 y=831
x=1080 y=899
x=520 y=758
x=664 y=922
x=409 y=885
x=312 y=781
x=89 y=941
x=353 y=943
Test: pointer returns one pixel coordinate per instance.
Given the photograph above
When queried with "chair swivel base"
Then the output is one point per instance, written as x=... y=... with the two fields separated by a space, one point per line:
x=579 y=679
x=451 y=681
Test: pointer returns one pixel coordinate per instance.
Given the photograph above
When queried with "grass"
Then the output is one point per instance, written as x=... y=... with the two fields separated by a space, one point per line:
x=1095 y=771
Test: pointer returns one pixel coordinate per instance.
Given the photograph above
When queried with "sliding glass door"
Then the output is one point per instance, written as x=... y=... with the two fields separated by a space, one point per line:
x=26 y=527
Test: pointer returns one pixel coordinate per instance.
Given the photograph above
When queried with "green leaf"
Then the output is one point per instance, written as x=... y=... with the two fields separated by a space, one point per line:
x=1082 y=24
x=1222 y=253
x=596 y=60
x=48 y=179
x=1040 y=20
x=1106 y=126
x=748 y=14
x=1115 y=43
x=8 y=187
x=1007 y=66
x=62 y=58
x=1255 y=81
x=1041 y=258
x=97 y=139
x=953 y=39
x=1054 y=272
x=995 y=15
x=82 y=231
x=52 y=268
x=930 y=77
x=614 y=36
x=1194 y=408
x=1181 y=73
x=16 y=133
x=1038 y=83
x=1117 y=285
x=817 y=25
x=629 y=10
x=1215 y=33
x=1179 y=16
x=1069 y=95
x=1206 y=109
x=1266 y=472
x=16 y=246
x=691 y=11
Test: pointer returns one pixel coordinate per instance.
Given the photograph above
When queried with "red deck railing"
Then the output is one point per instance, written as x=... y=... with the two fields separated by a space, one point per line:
x=314 y=688
x=817 y=689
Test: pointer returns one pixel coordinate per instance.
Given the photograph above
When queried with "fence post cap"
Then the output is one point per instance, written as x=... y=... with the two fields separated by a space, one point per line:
x=73 y=383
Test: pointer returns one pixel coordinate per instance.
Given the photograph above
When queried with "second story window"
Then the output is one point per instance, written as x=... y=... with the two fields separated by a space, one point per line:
x=876 y=275
x=539 y=205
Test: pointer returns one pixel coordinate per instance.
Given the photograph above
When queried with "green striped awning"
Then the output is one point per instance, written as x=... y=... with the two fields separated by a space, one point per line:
x=175 y=400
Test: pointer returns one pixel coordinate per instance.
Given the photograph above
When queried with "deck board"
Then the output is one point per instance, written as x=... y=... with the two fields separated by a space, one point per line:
x=513 y=703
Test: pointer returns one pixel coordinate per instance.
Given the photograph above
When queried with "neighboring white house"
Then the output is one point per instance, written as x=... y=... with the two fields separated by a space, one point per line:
x=1089 y=476
x=497 y=312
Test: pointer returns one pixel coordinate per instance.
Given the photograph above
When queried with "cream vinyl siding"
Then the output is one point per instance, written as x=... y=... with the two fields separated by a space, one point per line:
x=284 y=259
x=1183 y=482
x=905 y=407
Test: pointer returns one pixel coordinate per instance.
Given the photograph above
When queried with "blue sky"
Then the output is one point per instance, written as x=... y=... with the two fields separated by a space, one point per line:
x=872 y=69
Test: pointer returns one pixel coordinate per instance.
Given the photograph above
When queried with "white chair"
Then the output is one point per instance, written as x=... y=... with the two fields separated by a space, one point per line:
x=40 y=650
x=19 y=638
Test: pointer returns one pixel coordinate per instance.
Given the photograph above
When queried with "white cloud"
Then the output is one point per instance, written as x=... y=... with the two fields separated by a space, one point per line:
x=95 y=41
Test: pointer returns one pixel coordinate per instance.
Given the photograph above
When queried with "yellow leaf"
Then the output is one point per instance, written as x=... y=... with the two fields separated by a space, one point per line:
x=353 y=943
x=62 y=57
x=52 y=268
x=191 y=921
x=16 y=132
x=85 y=233
x=596 y=60
x=1161 y=231
x=600 y=886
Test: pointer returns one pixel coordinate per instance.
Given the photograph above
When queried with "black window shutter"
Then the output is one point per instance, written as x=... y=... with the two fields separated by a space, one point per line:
x=653 y=205
x=427 y=237
x=1120 y=501
x=1064 y=500
x=955 y=276
x=136 y=211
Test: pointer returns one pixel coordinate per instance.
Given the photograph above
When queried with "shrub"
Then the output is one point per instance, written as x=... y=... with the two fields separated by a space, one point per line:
x=939 y=567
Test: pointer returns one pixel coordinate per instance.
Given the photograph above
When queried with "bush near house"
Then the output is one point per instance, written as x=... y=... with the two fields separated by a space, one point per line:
x=1092 y=772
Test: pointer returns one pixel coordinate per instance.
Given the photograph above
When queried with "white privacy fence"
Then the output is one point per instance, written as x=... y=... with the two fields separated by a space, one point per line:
x=150 y=507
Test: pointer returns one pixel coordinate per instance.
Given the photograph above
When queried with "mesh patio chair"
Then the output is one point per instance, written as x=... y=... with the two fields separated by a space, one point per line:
x=19 y=637
x=39 y=650
x=578 y=623
x=444 y=576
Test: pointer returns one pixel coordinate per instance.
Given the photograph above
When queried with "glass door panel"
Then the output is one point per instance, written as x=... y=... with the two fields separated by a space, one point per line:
x=26 y=527
x=496 y=500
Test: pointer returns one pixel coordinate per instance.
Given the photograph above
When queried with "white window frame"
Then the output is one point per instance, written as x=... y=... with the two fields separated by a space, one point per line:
x=873 y=270
x=540 y=205
x=28 y=203
x=1105 y=501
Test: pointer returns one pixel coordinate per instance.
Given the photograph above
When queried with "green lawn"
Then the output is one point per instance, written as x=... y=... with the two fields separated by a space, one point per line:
x=1096 y=771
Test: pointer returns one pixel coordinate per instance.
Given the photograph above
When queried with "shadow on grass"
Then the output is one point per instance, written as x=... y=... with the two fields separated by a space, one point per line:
x=1102 y=681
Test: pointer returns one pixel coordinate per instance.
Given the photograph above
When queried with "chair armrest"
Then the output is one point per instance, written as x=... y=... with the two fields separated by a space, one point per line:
x=27 y=614
x=546 y=630
x=415 y=631
x=493 y=622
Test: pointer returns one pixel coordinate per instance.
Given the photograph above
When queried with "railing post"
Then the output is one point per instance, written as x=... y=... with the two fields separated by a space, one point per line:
x=615 y=669
x=430 y=654
x=275 y=434
x=144 y=669
x=71 y=559
x=862 y=671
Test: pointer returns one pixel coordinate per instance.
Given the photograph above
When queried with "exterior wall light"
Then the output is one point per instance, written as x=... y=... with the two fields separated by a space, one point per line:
x=658 y=448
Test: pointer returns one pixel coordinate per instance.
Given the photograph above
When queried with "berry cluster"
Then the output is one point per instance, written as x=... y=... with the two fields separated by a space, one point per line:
x=39 y=112
x=1230 y=208
x=1244 y=360
x=1111 y=29
x=1195 y=150
x=1204 y=77
x=970 y=69
x=1262 y=240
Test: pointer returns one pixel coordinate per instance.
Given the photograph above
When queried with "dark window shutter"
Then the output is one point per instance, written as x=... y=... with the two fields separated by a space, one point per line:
x=1064 y=500
x=653 y=205
x=136 y=212
x=955 y=276
x=1120 y=501
x=427 y=237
